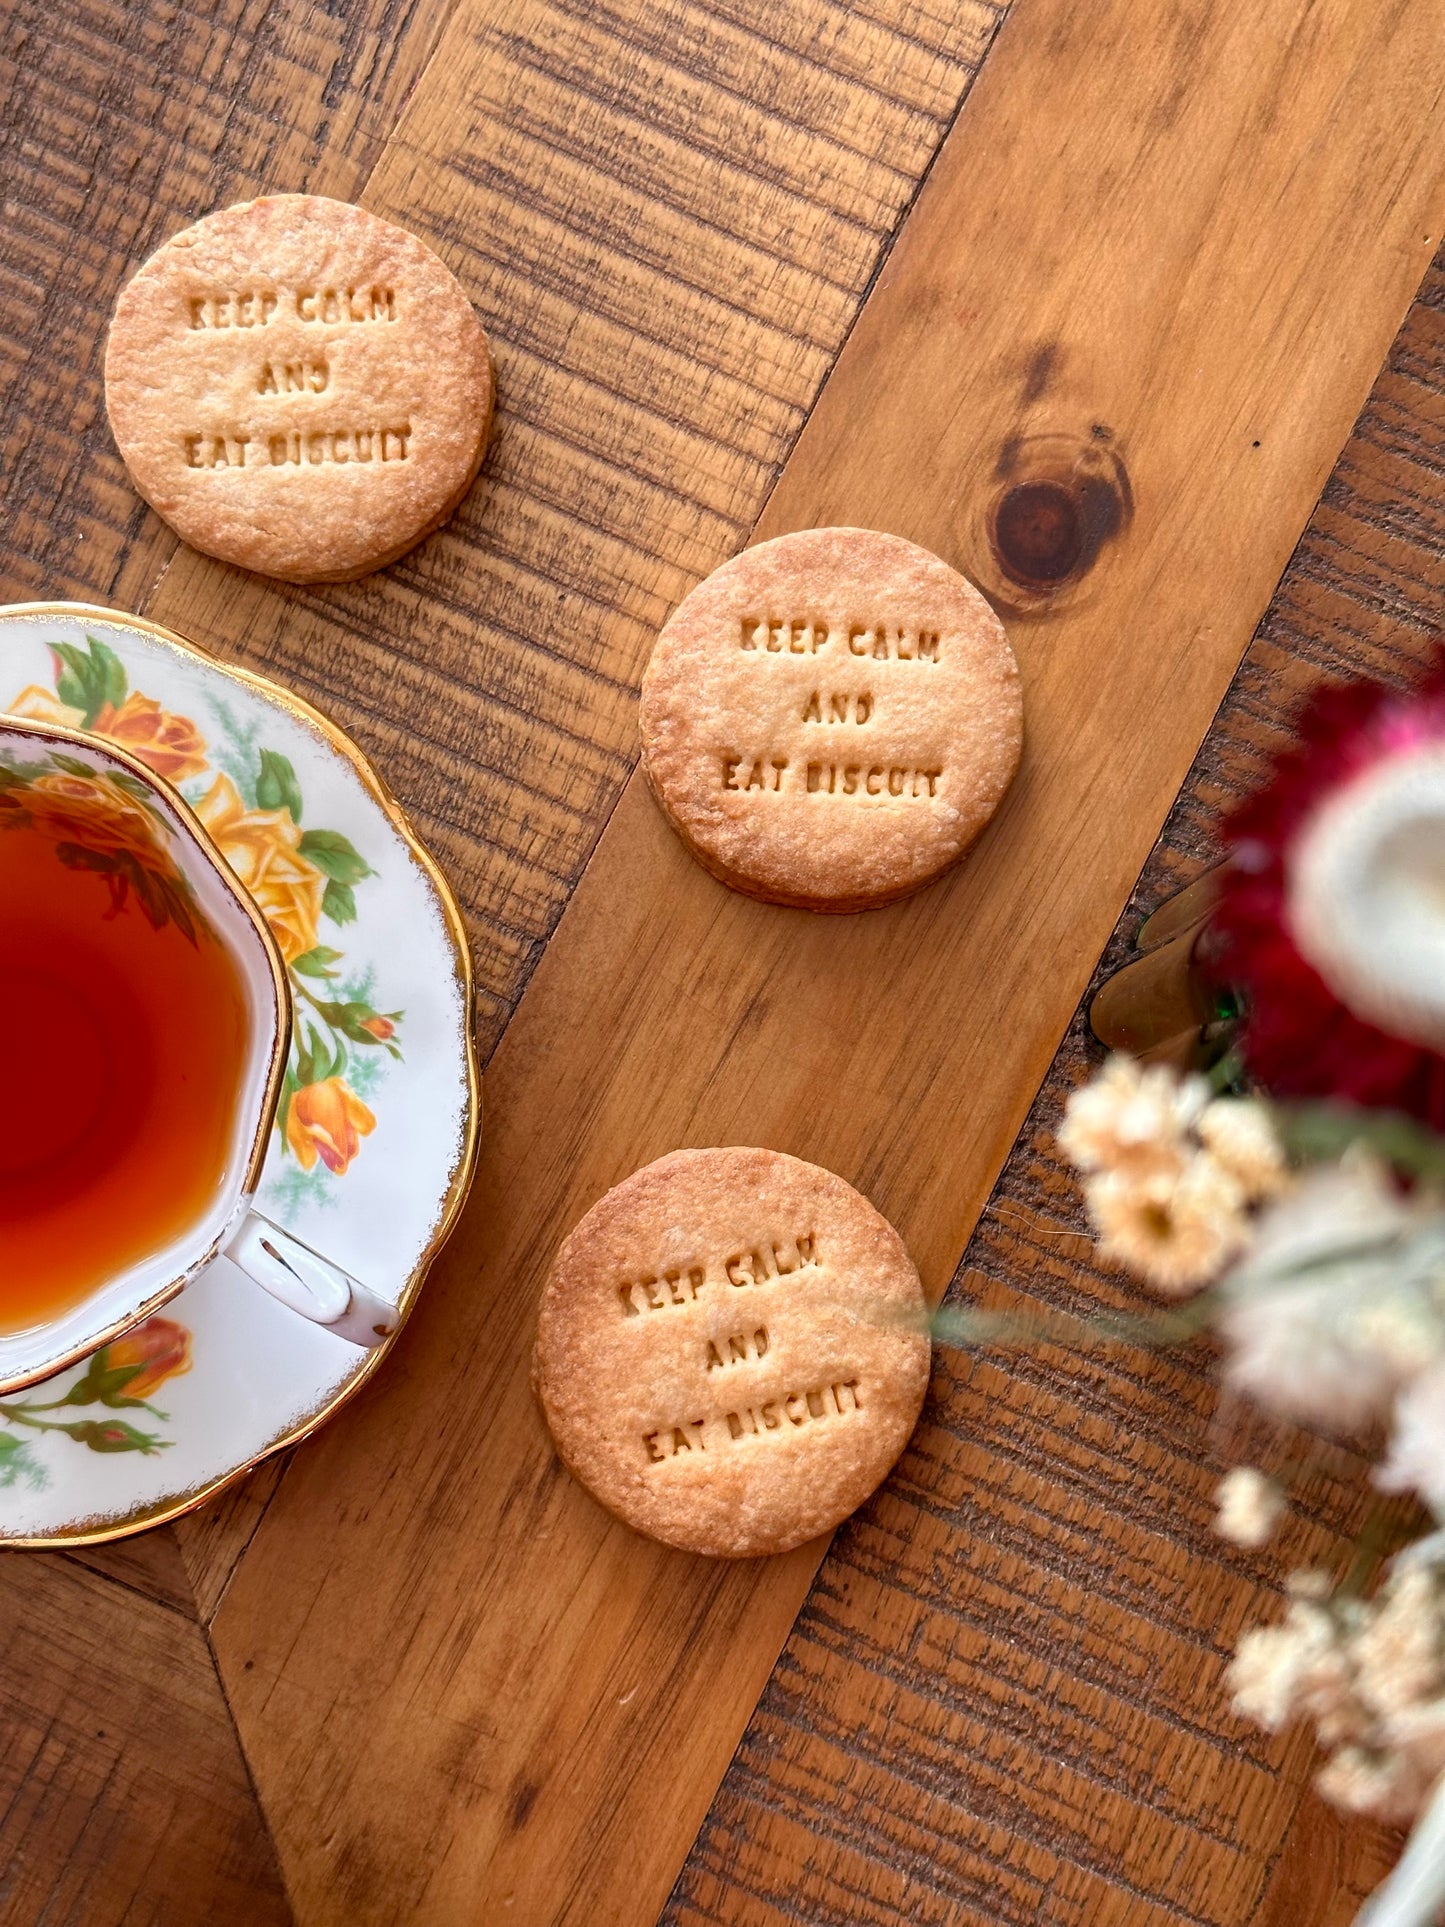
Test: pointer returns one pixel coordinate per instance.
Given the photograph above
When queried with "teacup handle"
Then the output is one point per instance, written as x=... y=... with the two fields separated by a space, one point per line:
x=305 y=1281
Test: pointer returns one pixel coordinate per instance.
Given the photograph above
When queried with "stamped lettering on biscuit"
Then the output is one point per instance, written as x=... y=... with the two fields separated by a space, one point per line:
x=831 y=718
x=732 y=1350
x=299 y=387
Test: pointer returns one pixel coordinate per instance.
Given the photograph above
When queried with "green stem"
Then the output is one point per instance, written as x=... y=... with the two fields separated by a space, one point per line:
x=953 y=1325
x=1226 y=1073
x=315 y=1002
x=20 y=1415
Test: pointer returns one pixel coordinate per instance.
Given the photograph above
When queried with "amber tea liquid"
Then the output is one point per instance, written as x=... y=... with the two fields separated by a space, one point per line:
x=122 y=1048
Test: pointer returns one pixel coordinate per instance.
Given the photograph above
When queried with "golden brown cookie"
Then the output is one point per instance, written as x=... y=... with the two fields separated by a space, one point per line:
x=298 y=387
x=831 y=718
x=732 y=1350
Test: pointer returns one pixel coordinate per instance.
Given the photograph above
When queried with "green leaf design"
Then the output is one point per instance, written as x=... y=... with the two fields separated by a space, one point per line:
x=73 y=766
x=132 y=785
x=289 y=1088
x=88 y=679
x=334 y=856
x=314 y=963
x=112 y=668
x=339 y=902
x=105 y=1384
x=16 y=1462
x=276 y=786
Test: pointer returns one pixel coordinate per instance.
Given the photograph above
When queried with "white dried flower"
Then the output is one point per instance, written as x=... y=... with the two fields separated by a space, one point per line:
x=1239 y=1134
x=1364 y=1782
x=1416 y=1459
x=1250 y=1507
x=1175 y=1229
x=1371 y=1676
x=1399 y=1654
x=1274 y=1666
x=1335 y=1308
x=1131 y=1117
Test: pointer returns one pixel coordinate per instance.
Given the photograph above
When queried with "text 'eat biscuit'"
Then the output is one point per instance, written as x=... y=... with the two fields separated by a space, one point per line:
x=732 y=1350
x=831 y=718
x=298 y=387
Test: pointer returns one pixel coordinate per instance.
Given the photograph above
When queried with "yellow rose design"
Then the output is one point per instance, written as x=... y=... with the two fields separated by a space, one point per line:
x=262 y=847
x=327 y=1121
x=37 y=705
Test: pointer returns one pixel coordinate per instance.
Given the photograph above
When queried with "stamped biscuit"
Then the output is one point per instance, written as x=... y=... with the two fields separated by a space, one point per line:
x=298 y=387
x=831 y=718
x=732 y=1350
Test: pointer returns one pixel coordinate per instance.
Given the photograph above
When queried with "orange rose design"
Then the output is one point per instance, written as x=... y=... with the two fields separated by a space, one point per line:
x=160 y=1347
x=327 y=1121
x=96 y=813
x=171 y=745
x=261 y=846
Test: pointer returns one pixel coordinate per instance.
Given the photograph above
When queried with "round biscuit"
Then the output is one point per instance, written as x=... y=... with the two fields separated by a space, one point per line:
x=831 y=718
x=732 y=1350
x=298 y=387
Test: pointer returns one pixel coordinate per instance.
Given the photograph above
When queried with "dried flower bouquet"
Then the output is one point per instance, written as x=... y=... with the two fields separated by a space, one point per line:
x=1287 y=1193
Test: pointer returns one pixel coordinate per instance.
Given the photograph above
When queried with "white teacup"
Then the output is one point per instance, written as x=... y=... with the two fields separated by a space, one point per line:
x=101 y=805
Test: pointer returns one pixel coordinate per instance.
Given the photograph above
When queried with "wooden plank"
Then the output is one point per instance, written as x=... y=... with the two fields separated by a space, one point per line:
x=554 y=1699
x=904 y=1735
x=151 y=1563
x=123 y=1794
x=212 y=1539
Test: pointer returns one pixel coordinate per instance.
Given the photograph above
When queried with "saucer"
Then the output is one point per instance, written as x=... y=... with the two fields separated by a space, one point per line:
x=374 y=1145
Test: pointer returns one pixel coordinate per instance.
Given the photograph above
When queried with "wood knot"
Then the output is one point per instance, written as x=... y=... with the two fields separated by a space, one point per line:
x=1060 y=499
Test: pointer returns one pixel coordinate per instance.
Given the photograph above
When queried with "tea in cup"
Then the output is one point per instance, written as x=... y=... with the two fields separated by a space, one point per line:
x=148 y=1020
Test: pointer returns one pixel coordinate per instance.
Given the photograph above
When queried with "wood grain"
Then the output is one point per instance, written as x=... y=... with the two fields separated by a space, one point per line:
x=124 y=1800
x=555 y=1699
x=150 y=1562
x=1037 y=1599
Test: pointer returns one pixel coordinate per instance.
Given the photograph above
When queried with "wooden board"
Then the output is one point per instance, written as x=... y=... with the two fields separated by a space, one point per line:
x=669 y=217
x=124 y=1798
x=662 y=313
x=554 y=1699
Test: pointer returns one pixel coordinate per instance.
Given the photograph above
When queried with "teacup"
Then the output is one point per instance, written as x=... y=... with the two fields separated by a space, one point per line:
x=150 y=1015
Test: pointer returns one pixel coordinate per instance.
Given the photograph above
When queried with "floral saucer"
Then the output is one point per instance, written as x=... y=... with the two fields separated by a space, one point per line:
x=376 y=1133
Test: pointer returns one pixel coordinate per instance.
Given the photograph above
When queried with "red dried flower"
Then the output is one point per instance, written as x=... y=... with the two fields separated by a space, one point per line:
x=1299 y=1040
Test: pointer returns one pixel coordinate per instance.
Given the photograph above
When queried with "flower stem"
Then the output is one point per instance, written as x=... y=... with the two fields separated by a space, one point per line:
x=964 y=1326
x=21 y=1415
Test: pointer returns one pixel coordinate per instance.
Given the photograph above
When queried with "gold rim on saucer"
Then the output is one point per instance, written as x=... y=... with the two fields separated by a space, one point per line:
x=462 y=1170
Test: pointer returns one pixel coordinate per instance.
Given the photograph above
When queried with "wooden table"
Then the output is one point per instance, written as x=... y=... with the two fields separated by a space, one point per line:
x=750 y=265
